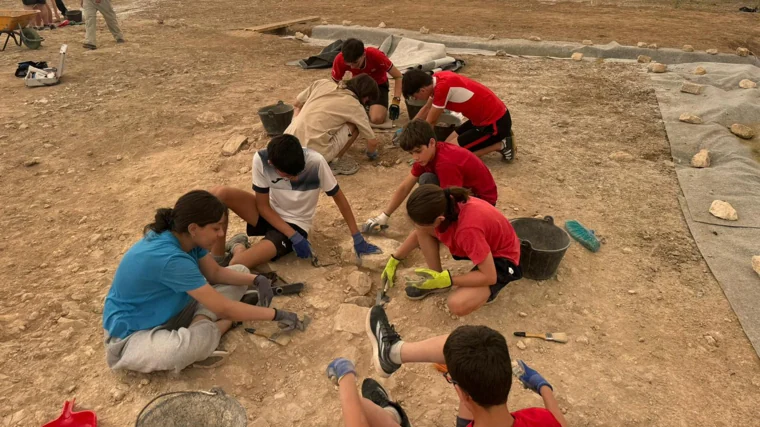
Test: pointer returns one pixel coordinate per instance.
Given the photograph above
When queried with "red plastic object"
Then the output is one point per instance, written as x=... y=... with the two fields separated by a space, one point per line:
x=74 y=419
x=64 y=23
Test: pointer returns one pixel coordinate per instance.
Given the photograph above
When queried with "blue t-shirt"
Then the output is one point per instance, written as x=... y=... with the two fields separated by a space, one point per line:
x=151 y=284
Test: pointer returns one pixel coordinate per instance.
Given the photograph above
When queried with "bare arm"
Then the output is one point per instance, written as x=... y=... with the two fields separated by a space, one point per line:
x=402 y=191
x=227 y=308
x=423 y=113
x=345 y=210
x=550 y=403
x=350 y=403
x=297 y=108
x=485 y=275
x=215 y=273
x=372 y=145
x=411 y=243
x=434 y=115
x=266 y=211
x=396 y=74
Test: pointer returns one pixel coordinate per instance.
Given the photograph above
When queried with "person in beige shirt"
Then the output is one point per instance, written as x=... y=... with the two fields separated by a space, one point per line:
x=330 y=116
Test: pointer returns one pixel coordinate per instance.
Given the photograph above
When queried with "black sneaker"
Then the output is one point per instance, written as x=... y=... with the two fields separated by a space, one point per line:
x=417 y=293
x=382 y=335
x=508 y=148
x=373 y=391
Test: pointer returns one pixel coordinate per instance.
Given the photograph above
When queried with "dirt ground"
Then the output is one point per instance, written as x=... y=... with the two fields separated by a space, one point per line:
x=121 y=137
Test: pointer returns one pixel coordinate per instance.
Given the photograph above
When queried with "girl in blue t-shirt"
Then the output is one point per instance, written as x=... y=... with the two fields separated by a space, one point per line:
x=161 y=312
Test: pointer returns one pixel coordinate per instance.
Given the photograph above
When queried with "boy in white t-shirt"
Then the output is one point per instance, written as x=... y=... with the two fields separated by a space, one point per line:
x=287 y=180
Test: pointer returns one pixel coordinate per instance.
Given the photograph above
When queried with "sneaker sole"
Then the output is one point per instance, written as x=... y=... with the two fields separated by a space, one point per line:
x=434 y=291
x=375 y=349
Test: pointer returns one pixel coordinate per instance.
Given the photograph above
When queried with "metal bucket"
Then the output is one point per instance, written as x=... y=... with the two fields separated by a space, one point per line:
x=193 y=408
x=542 y=246
x=276 y=118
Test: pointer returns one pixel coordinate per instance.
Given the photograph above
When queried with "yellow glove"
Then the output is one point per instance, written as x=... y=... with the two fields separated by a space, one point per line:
x=389 y=272
x=431 y=279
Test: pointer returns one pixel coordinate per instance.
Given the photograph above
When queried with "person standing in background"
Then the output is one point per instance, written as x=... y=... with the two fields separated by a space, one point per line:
x=90 y=8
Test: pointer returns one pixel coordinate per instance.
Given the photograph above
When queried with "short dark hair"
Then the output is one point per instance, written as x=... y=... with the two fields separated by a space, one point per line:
x=196 y=207
x=352 y=50
x=478 y=360
x=416 y=134
x=413 y=81
x=286 y=154
x=364 y=86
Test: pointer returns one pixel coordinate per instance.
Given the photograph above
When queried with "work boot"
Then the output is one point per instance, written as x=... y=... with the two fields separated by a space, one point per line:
x=373 y=391
x=89 y=46
x=382 y=335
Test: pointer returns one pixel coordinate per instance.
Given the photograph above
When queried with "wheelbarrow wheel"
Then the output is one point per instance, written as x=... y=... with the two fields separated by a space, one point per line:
x=31 y=38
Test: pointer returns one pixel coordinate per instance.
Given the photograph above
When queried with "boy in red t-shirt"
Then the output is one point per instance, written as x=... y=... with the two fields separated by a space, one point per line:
x=488 y=127
x=439 y=163
x=473 y=230
x=357 y=59
x=477 y=364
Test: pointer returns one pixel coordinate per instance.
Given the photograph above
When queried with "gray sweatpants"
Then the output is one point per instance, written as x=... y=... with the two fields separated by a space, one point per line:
x=176 y=344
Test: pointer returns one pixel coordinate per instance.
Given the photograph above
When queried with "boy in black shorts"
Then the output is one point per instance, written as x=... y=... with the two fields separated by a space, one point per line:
x=357 y=59
x=287 y=180
x=489 y=125
x=475 y=360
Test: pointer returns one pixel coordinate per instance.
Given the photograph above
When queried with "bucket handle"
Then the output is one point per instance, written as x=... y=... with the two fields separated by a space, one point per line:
x=549 y=219
x=525 y=245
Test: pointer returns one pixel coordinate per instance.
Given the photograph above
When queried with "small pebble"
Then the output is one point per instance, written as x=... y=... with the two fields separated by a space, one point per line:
x=582 y=339
x=632 y=292
x=523 y=314
x=521 y=345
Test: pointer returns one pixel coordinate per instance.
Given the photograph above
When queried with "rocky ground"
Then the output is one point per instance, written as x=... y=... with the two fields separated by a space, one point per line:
x=133 y=126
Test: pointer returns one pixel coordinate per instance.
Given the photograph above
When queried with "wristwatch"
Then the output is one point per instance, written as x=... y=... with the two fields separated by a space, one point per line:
x=396 y=98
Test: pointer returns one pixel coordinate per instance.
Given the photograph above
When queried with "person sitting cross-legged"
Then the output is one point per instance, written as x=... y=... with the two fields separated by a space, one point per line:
x=287 y=180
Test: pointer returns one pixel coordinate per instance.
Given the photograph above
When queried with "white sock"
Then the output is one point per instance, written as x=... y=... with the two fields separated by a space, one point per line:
x=391 y=410
x=396 y=352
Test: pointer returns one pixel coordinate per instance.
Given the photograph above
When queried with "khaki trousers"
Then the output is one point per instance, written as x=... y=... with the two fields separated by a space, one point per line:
x=104 y=7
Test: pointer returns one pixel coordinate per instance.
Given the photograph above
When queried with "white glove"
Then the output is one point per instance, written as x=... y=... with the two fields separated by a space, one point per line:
x=376 y=224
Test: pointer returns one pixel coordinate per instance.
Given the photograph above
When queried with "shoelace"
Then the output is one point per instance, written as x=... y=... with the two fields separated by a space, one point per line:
x=389 y=332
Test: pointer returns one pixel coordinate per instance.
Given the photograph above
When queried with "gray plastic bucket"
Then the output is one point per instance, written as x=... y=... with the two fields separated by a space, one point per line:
x=542 y=246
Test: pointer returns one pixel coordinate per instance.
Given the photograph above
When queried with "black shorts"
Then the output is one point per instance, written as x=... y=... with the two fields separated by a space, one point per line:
x=281 y=242
x=506 y=271
x=32 y=2
x=475 y=138
x=385 y=90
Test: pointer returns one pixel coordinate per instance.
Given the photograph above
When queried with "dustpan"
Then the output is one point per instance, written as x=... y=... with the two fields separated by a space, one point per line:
x=70 y=418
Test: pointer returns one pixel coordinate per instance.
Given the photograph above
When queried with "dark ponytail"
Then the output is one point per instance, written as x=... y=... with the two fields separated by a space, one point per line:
x=430 y=201
x=196 y=207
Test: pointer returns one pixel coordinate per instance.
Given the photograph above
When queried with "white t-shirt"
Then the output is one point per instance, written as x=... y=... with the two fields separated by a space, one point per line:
x=295 y=201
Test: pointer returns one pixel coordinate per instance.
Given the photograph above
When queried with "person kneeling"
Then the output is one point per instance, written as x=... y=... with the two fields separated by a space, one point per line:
x=473 y=230
x=162 y=311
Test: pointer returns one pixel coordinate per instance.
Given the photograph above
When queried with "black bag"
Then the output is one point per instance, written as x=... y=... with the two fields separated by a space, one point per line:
x=23 y=67
x=324 y=59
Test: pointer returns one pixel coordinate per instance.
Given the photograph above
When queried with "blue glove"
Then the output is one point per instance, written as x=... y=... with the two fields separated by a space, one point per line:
x=372 y=154
x=301 y=246
x=339 y=368
x=362 y=247
x=532 y=379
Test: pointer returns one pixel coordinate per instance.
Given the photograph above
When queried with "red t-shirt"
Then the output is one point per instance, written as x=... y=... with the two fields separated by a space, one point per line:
x=376 y=65
x=480 y=229
x=458 y=167
x=532 y=417
x=475 y=101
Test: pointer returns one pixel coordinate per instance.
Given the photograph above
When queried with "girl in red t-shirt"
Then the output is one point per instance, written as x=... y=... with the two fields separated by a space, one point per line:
x=472 y=229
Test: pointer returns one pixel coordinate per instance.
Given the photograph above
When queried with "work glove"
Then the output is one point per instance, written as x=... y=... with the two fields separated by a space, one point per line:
x=372 y=155
x=362 y=247
x=394 y=110
x=378 y=223
x=431 y=279
x=339 y=368
x=532 y=379
x=264 y=288
x=301 y=245
x=287 y=320
x=396 y=136
x=389 y=272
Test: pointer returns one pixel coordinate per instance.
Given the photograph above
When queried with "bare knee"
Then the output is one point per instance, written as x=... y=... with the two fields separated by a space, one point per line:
x=460 y=308
x=377 y=117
